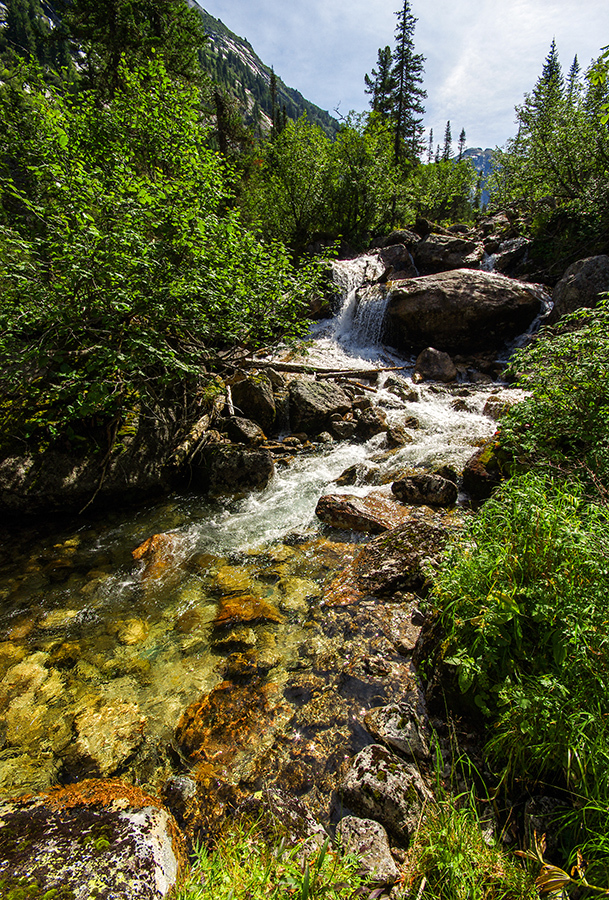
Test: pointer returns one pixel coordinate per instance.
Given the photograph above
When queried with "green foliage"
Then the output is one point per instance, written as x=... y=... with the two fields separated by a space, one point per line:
x=442 y=191
x=450 y=858
x=556 y=170
x=522 y=599
x=564 y=422
x=121 y=262
x=246 y=863
x=305 y=186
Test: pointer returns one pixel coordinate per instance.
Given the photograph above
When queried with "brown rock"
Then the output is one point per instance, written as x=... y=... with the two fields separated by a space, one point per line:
x=434 y=365
x=425 y=489
x=107 y=737
x=238 y=608
x=158 y=554
x=393 y=560
x=375 y=513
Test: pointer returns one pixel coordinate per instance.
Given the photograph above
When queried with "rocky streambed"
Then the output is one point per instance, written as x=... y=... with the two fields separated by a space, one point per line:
x=248 y=641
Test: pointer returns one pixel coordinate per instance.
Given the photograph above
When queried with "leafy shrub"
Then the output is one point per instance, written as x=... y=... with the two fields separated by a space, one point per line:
x=523 y=602
x=121 y=260
x=563 y=424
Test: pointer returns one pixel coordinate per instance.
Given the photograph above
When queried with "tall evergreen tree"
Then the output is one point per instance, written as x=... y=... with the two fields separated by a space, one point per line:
x=381 y=85
x=448 y=143
x=461 y=149
x=408 y=94
x=430 y=146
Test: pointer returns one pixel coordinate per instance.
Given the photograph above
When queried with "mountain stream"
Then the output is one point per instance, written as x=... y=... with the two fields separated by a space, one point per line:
x=101 y=654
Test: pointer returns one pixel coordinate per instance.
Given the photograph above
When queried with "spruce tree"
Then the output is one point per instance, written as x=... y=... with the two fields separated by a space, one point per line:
x=408 y=94
x=382 y=84
x=448 y=143
x=461 y=149
x=430 y=147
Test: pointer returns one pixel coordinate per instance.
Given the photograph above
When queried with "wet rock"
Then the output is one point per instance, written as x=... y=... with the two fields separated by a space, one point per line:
x=407 y=238
x=397 y=436
x=434 y=365
x=106 y=737
x=220 y=467
x=239 y=608
x=343 y=429
x=403 y=726
x=497 y=406
x=368 y=840
x=382 y=787
x=580 y=286
x=425 y=489
x=509 y=254
x=58 y=619
x=483 y=472
x=178 y=795
x=375 y=513
x=253 y=398
x=239 y=638
x=130 y=631
x=229 y=719
x=370 y=422
x=158 y=553
x=398 y=261
x=244 y=431
x=462 y=311
x=392 y=561
x=97 y=838
x=313 y=403
x=443 y=252
x=10 y=655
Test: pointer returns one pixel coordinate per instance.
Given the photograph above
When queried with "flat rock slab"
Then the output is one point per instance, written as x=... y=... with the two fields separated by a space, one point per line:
x=368 y=840
x=101 y=839
x=382 y=787
x=375 y=513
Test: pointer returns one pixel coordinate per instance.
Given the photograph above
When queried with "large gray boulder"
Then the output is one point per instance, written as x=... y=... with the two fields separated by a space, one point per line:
x=220 y=468
x=442 y=252
x=462 y=311
x=580 y=286
x=368 y=840
x=94 y=839
x=313 y=403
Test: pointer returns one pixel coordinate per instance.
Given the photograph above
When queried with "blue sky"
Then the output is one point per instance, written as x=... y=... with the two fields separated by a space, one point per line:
x=482 y=55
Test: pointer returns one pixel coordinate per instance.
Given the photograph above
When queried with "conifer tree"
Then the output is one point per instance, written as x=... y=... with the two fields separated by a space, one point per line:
x=382 y=85
x=462 y=139
x=430 y=146
x=408 y=94
x=448 y=143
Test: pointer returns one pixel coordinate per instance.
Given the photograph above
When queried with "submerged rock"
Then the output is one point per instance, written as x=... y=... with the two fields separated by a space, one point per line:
x=238 y=608
x=106 y=738
x=94 y=839
x=158 y=553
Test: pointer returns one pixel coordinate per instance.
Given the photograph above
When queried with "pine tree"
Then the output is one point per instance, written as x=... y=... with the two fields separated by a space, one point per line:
x=382 y=85
x=430 y=146
x=448 y=143
x=408 y=94
x=461 y=149
x=573 y=82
